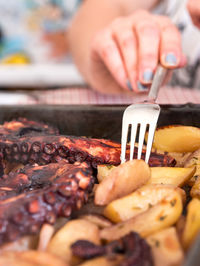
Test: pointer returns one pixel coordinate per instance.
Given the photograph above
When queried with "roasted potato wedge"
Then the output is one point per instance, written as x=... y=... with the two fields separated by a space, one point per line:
x=73 y=230
x=195 y=190
x=192 y=226
x=99 y=220
x=103 y=261
x=177 y=176
x=166 y=248
x=171 y=175
x=177 y=138
x=121 y=181
x=103 y=171
x=193 y=160
x=30 y=258
x=137 y=202
x=162 y=215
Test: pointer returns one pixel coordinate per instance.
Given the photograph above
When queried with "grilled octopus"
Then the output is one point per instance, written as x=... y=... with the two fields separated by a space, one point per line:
x=57 y=178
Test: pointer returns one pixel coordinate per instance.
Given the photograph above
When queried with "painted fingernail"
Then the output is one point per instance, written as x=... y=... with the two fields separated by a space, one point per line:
x=148 y=75
x=142 y=87
x=171 y=59
x=128 y=83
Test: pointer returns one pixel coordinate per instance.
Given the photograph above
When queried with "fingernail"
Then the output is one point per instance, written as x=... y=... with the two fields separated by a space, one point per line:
x=129 y=85
x=142 y=87
x=171 y=60
x=148 y=75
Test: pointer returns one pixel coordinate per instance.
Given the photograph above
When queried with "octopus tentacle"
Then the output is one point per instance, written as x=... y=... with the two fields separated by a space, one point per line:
x=38 y=194
x=47 y=149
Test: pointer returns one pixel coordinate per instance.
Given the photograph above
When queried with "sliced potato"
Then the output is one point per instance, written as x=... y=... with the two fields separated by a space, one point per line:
x=166 y=248
x=30 y=258
x=158 y=217
x=103 y=261
x=103 y=171
x=195 y=191
x=192 y=226
x=121 y=181
x=74 y=230
x=193 y=160
x=171 y=175
x=137 y=202
x=99 y=220
x=177 y=138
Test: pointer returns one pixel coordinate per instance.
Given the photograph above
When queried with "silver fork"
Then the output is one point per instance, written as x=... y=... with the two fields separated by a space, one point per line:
x=142 y=115
x=146 y=113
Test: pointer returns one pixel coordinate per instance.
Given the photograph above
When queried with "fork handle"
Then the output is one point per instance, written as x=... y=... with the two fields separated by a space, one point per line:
x=158 y=79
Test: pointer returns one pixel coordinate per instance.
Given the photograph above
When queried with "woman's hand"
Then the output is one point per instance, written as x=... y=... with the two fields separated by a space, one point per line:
x=125 y=54
x=194 y=9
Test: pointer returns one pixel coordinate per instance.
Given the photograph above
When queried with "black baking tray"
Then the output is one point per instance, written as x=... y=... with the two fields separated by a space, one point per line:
x=103 y=122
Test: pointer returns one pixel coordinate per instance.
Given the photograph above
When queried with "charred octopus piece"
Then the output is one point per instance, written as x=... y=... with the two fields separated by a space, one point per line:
x=135 y=249
x=39 y=194
x=48 y=149
x=23 y=127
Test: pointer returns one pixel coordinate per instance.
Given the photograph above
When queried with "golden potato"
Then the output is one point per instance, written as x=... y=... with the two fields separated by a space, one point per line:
x=99 y=220
x=137 y=202
x=30 y=258
x=192 y=226
x=193 y=161
x=177 y=139
x=171 y=175
x=162 y=215
x=166 y=248
x=121 y=181
x=74 y=230
x=103 y=261
x=195 y=190
x=103 y=171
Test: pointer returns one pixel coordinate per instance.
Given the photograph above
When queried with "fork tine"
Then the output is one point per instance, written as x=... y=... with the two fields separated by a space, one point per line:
x=133 y=136
x=141 y=139
x=124 y=141
x=152 y=128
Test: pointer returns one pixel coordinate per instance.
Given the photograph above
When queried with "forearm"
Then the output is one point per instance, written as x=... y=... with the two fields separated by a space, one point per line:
x=93 y=16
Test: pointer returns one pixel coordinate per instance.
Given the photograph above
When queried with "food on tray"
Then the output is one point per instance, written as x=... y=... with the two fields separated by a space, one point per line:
x=177 y=138
x=143 y=200
x=161 y=209
x=74 y=230
x=166 y=247
x=194 y=160
x=177 y=176
x=192 y=225
x=123 y=180
x=30 y=258
x=39 y=194
x=171 y=175
x=134 y=249
x=45 y=176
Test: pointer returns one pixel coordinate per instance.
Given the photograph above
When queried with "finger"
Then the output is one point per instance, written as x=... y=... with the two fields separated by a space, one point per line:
x=107 y=49
x=148 y=34
x=194 y=10
x=127 y=44
x=170 y=46
x=183 y=61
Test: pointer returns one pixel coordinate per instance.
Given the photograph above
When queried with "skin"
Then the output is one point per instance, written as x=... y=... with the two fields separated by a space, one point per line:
x=122 y=41
x=194 y=9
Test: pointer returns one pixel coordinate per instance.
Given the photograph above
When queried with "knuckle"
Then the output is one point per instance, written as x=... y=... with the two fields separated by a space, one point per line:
x=127 y=39
x=147 y=27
